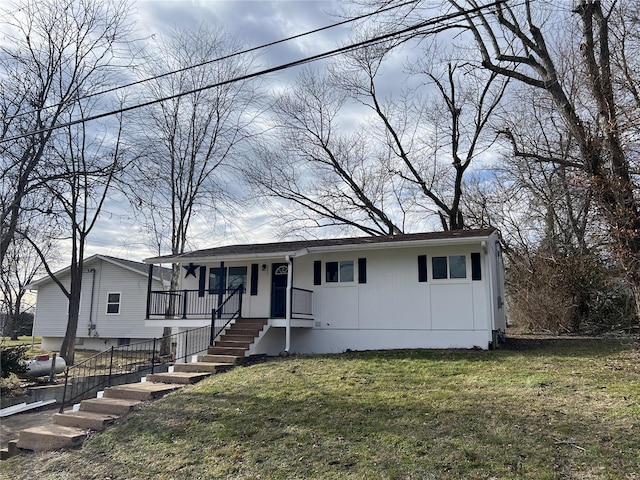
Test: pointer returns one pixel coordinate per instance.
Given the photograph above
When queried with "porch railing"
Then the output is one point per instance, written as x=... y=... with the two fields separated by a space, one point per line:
x=128 y=363
x=301 y=301
x=182 y=303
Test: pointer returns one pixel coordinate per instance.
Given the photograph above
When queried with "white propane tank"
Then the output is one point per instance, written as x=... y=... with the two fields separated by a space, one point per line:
x=40 y=366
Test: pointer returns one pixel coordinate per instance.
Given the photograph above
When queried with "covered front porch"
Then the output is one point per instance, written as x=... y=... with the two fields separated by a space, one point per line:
x=228 y=291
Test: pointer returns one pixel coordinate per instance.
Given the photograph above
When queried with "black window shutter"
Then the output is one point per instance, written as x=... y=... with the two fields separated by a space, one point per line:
x=422 y=268
x=202 y=281
x=476 y=266
x=362 y=270
x=317 y=272
x=254 y=279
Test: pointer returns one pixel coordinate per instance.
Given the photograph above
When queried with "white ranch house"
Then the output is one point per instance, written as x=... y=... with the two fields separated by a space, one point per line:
x=425 y=290
x=112 y=304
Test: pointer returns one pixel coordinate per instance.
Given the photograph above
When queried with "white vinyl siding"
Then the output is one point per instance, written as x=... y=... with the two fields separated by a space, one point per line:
x=52 y=307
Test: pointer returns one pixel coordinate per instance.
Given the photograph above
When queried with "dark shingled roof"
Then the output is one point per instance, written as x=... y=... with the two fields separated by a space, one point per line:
x=293 y=246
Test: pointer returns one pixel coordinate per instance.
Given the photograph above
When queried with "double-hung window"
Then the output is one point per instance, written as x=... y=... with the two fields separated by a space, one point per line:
x=113 y=303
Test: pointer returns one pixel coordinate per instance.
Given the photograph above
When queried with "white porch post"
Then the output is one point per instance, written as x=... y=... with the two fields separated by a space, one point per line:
x=287 y=307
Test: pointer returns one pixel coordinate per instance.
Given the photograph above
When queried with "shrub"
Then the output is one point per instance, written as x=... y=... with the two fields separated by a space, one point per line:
x=567 y=292
x=12 y=360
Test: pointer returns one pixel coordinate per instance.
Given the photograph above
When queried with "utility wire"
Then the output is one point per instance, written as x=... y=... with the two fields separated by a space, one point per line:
x=354 y=46
x=226 y=57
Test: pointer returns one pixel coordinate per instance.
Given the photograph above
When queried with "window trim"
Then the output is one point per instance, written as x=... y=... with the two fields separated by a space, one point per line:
x=118 y=303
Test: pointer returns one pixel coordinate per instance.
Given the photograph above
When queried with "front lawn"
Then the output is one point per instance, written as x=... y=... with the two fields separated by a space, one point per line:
x=539 y=409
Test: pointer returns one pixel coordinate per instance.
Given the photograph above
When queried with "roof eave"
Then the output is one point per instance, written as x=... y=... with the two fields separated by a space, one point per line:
x=183 y=258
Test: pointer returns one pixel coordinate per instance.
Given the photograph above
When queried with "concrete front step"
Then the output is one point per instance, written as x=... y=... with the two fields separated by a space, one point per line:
x=177 y=378
x=149 y=390
x=50 y=437
x=85 y=420
x=209 y=367
x=212 y=358
x=110 y=406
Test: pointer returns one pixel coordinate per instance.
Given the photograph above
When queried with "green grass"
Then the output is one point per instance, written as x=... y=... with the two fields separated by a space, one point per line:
x=23 y=340
x=553 y=409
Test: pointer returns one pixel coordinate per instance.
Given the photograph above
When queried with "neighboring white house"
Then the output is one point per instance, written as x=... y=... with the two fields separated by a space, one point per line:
x=112 y=304
x=426 y=290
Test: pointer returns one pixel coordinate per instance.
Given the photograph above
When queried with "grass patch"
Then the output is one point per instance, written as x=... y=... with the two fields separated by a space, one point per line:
x=540 y=409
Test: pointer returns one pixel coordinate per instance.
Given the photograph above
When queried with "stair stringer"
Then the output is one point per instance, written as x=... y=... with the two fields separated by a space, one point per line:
x=254 y=346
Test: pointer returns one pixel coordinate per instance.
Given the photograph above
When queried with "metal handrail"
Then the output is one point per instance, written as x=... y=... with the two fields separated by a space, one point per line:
x=226 y=312
x=126 y=363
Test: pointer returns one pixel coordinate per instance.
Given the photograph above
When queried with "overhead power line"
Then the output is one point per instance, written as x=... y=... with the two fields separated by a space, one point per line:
x=351 y=47
x=226 y=57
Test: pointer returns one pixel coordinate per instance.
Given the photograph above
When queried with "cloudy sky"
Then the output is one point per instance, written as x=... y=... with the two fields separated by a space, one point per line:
x=256 y=22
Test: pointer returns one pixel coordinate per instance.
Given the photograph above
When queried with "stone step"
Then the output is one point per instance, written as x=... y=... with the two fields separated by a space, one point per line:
x=181 y=378
x=210 y=367
x=50 y=437
x=84 y=419
x=212 y=358
x=149 y=390
x=110 y=406
x=236 y=352
x=11 y=450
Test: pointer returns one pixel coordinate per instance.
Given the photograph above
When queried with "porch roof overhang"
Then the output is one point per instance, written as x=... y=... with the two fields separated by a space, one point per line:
x=268 y=251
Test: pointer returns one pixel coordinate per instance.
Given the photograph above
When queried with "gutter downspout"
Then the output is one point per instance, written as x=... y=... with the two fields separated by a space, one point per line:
x=488 y=255
x=287 y=308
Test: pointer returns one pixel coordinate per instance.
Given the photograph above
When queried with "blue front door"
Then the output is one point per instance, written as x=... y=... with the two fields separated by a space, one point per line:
x=278 y=290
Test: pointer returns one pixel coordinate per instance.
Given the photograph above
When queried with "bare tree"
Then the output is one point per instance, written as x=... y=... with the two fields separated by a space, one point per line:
x=22 y=265
x=406 y=159
x=521 y=43
x=330 y=178
x=59 y=51
x=193 y=140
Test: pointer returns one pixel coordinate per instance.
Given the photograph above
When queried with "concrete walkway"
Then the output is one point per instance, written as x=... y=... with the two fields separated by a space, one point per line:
x=11 y=426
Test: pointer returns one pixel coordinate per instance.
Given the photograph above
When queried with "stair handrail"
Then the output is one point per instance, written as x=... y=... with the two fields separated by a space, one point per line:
x=229 y=316
x=111 y=365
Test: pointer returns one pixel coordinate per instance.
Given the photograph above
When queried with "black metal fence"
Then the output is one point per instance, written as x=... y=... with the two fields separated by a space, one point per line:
x=128 y=364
